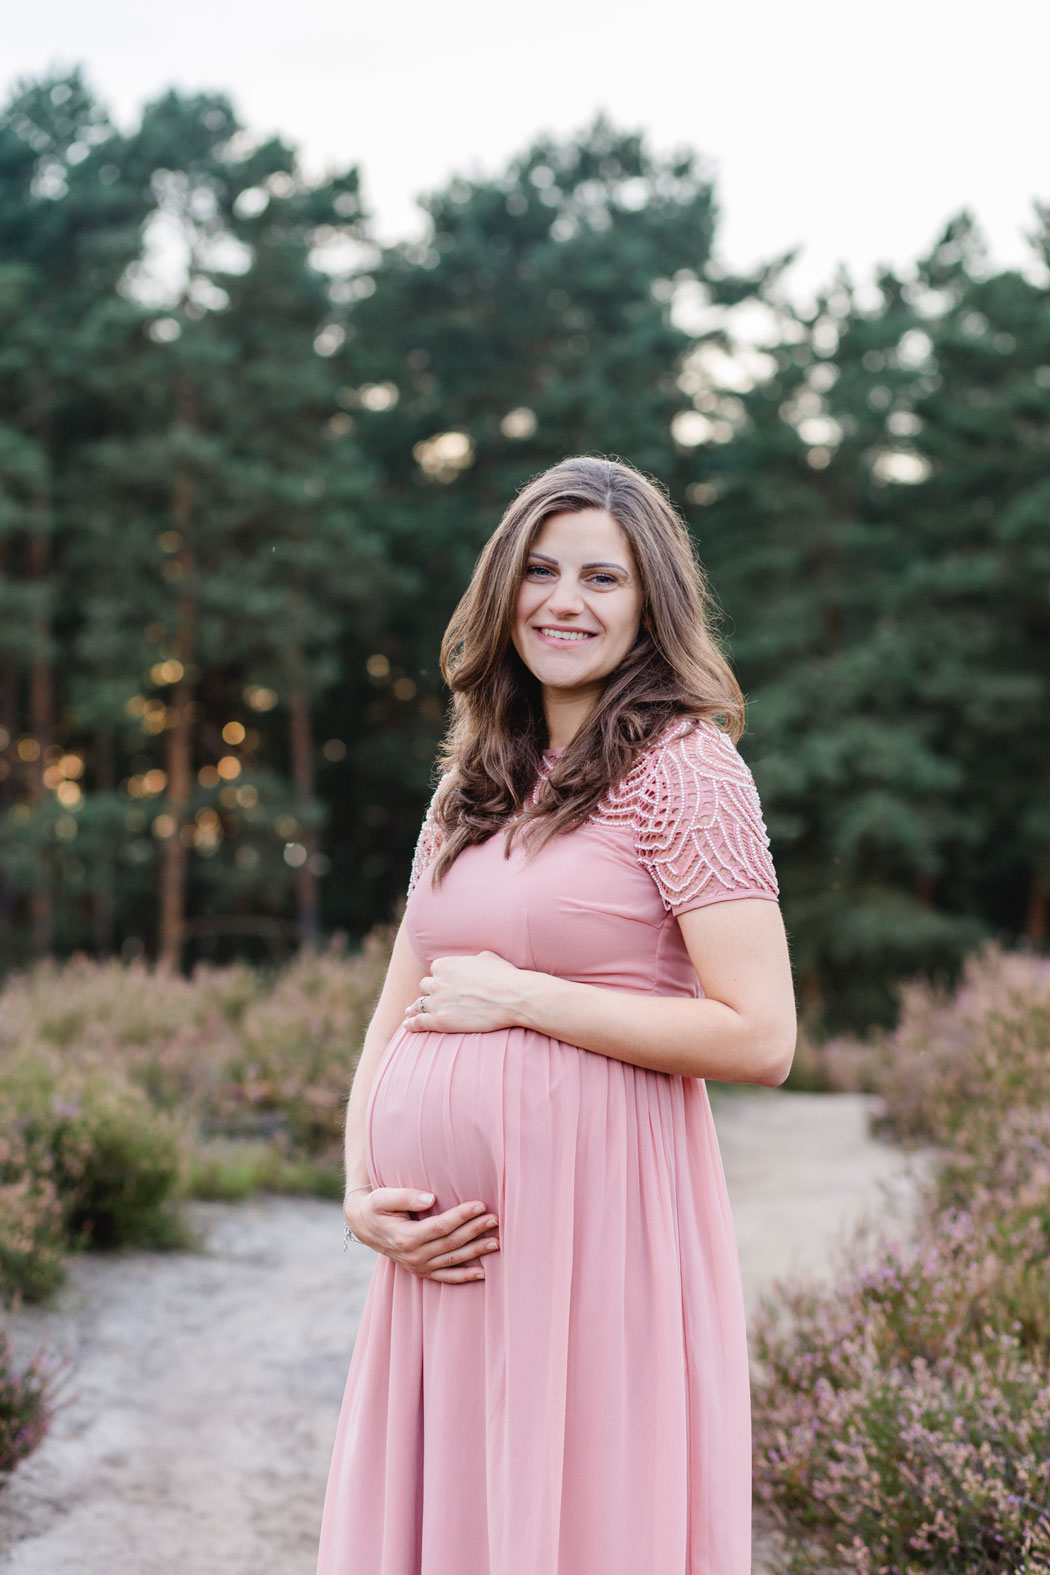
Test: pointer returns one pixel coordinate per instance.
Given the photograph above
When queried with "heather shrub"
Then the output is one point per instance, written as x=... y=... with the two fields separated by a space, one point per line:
x=976 y=1053
x=837 y=1065
x=914 y=1467
x=84 y=1001
x=902 y=1417
x=297 y=1045
x=170 y=1035
x=902 y=1420
x=32 y=1231
x=997 y=1167
x=26 y=1401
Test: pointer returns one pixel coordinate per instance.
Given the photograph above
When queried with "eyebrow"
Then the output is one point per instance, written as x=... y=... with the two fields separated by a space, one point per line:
x=544 y=559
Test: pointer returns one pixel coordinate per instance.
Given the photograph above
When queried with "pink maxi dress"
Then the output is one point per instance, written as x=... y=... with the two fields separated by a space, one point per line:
x=584 y=1409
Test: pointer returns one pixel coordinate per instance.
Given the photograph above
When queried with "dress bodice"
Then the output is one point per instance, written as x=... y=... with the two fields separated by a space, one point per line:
x=598 y=904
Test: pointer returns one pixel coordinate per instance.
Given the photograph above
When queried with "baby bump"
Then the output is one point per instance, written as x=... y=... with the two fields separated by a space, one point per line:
x=435 y=1115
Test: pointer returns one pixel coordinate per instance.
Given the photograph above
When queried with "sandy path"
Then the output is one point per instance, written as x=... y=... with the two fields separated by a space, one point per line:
x=206 y=1387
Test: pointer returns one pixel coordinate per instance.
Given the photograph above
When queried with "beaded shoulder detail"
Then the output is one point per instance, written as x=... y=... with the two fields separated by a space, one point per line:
x=692 y=803
x=698 y=819
x=428 y=843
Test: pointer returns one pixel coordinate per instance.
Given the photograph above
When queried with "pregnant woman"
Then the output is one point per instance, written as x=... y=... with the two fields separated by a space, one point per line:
x=550 y=1376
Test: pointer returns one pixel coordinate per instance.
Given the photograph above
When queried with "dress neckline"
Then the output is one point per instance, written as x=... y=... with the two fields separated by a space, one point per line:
x=676 y=726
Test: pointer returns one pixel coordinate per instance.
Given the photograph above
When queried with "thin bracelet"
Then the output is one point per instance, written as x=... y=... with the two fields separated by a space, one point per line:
x=348 y=1235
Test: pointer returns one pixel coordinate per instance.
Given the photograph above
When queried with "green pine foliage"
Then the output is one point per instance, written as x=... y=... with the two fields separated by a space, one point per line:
x=248 y=457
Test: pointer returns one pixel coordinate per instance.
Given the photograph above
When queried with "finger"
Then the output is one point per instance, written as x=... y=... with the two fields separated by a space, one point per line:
x=401 y=1200
x=457 y=1276
x=424 y=1023
x=471 y=1231
x=438 y=1225
x=443 y=1254
x=480 y=1247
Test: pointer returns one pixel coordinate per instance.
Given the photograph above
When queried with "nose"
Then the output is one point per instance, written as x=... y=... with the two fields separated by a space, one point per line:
x=565 y=599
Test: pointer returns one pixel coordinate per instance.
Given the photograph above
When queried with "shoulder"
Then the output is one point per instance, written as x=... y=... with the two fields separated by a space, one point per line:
x=431 y=837
x=688 y=753
x=697 y=818
x=693 y=754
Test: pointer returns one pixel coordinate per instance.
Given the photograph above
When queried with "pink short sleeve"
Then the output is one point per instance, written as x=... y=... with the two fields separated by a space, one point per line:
x=428 y=843
x=701 y=834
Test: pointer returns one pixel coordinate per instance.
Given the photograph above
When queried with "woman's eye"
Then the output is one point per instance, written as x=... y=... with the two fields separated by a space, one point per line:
x=540 y=570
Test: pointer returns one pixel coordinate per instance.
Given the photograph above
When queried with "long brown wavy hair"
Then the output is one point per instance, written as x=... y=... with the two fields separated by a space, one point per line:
x=497 y=733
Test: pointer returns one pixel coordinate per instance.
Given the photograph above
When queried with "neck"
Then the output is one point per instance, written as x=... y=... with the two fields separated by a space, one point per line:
x=566 y=712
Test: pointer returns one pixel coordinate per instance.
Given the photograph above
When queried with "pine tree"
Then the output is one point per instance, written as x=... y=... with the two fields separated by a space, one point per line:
x=975 y=590
x=70 y=217
x=243 y=512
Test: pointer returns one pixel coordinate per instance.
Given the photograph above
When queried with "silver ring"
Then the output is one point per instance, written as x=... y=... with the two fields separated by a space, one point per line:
x=423 y=1003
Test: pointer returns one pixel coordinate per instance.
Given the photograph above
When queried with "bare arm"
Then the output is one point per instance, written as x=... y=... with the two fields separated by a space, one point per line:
x=442 y=1246
x=742 y=1031
x=401 y=984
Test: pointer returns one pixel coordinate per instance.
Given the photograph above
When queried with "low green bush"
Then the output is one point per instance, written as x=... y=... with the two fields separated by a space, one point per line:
x=32 y=1228
x=120 y=1165
x=124 y=1090
x=92 y=1150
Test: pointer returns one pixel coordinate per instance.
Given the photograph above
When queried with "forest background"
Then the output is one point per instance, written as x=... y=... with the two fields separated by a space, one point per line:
x=248 y=455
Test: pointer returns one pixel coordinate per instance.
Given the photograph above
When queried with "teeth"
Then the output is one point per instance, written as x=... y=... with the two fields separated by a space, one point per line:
x=565 y=634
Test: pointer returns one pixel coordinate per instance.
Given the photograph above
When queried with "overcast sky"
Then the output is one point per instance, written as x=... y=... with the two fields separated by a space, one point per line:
x=852 y=129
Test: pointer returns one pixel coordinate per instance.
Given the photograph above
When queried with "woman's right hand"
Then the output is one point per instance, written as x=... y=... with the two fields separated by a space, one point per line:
x=444 y=1246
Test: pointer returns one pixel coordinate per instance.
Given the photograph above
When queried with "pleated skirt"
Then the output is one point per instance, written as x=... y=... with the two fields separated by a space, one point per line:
x=584 y=1409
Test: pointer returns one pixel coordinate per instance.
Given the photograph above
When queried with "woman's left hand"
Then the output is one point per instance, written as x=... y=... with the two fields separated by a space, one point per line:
x=468 y=995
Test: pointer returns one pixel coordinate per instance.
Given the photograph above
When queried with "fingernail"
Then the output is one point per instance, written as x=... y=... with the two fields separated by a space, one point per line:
x=479 y=1276
x=479 y=1208
x=426 y=1198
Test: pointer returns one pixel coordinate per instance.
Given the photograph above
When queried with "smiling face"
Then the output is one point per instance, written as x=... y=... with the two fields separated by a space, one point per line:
x=577 y=614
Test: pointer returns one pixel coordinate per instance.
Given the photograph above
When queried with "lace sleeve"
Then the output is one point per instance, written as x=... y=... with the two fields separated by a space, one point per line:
x=702 y=837
x=428 y=843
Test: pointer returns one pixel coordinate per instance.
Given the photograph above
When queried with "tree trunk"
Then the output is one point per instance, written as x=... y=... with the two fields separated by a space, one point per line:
x=300 y=724
x=301 y=731
x=103 y=887
x=8 y=770
x=41 y=716
x=178 y=761
x=811 y=994
x=1036 y=918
